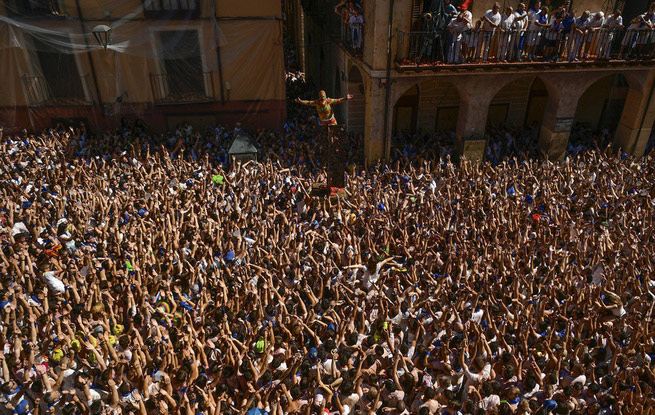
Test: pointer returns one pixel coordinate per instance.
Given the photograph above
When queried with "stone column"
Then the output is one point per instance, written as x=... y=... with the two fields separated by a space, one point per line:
x=475 y=95
x=637 y=119
x=556 y=126
x=374 y=123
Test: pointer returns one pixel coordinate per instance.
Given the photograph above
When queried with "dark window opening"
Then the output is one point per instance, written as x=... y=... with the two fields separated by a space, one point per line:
x=167 y=9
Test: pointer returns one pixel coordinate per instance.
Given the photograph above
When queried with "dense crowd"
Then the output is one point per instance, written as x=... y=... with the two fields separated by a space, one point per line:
x=146 y=274
x=503 y=142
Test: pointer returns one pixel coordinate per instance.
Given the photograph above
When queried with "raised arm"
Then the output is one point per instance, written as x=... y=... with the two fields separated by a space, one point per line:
x=303 y=102
x=340 y=100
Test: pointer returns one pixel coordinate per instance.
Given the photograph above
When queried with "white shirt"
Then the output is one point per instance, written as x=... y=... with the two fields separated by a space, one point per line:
x=614 y=22
x=519 y=25
x=457 y=27
x=54 y=283
x=581 y=23
x=495 y=18
x=468 y=16
x=597 y=22
x=507 y=22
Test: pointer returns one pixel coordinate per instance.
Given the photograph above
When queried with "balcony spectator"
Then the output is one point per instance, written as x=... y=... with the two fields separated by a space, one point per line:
x=429 y=37
x=343 y=9
x=579 y=35
x=538 y=21
x=607 y=35
x=568 y=26
x=449 y=10
x=520 y=23
x=490 y=21
x=468 y=18
x=632 y=44
x=647 y=36
x=456 y=27
x=472 y=40
x=505 y=35
x=553 y=34
x=356 y=22
x=597 y=22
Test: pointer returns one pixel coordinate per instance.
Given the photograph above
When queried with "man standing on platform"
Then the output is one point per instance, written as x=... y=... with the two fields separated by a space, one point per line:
x=334 y=162
x=324 y=108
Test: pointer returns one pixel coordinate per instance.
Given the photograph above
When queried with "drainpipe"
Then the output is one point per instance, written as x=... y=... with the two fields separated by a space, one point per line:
x=387 y=96
x=218 y=52
x=93 y=69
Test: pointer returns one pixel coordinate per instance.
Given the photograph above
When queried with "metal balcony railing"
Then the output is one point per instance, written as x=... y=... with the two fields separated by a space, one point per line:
x=444 y=47
x=34 y=8
x=171 y=9
x=183 y=88
x=352 y=38
x=42 y=92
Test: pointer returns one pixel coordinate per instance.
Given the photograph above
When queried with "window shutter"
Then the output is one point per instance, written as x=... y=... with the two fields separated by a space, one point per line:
x=416 y=15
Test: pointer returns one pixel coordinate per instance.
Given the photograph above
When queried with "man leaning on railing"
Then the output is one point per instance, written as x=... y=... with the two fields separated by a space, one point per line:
x=456 y=27
x=490 y=21
x=606 y=38
x=506 y=34
x=519 y=25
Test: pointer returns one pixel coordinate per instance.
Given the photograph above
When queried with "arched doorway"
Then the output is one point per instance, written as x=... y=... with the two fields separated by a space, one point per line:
x=601 y=105
x=514 y=118
x=536 y=106
x=356 y=106
x=405 y=112
x=598 y=113
x=425 y=117
x=520 y=103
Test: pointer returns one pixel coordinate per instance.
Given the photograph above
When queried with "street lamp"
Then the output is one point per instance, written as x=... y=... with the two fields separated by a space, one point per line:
x=102 y=33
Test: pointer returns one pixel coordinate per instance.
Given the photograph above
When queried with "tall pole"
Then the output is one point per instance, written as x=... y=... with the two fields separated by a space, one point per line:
x=387 y=95
x=93 y=70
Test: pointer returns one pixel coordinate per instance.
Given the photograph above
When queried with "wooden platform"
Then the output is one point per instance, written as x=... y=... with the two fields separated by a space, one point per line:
x=321 y=190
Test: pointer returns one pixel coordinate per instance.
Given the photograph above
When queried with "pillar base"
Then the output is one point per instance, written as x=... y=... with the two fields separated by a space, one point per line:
x=472 y=148
x=554 y=143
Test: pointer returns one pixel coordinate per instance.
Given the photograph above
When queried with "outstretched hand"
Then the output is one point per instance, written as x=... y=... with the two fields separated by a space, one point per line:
x=349 y=96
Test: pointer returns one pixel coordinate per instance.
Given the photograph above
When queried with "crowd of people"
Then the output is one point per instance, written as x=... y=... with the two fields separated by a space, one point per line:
x=147 y=273
x=453 y=35
x=503 y=142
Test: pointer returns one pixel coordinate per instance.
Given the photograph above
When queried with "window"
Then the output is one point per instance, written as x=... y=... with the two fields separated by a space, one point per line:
x=31 y=8
x=181 y=78
x=171 y=8
x=57 y=78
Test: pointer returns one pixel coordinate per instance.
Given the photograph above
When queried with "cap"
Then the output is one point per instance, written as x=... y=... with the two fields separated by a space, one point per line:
x=57 y=354
x=229 y=256
x=118 y=329
x=313 y=353
x=259 y=346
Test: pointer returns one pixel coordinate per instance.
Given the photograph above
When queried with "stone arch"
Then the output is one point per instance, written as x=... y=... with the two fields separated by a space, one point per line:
x=519 y=103
x=356 y=106
x=436 y=104
x=601 y=104
x=405 y=111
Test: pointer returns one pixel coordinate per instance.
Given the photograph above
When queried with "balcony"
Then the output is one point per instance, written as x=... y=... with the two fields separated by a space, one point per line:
x=42 y=9
x=352 y=39
x=183 y=88
x=171 y=9
x=41 y=92
x=443 y=50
